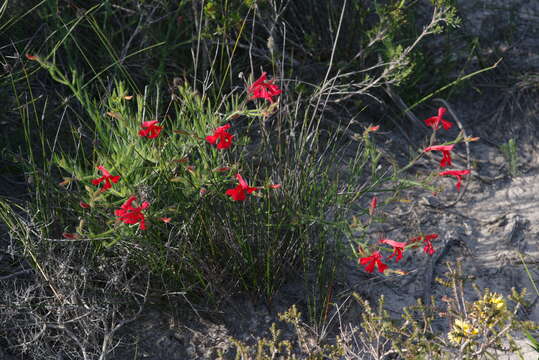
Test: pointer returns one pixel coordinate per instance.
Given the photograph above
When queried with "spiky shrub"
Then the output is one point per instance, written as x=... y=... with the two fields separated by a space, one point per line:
x=479 y=329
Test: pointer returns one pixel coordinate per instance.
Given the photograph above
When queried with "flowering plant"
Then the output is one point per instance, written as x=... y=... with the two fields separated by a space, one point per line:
x=239 y=192
x=398 y=248
x=129 y=214
x=221 y=138
x=262 y=89
x=107 y=178
x=150 y=129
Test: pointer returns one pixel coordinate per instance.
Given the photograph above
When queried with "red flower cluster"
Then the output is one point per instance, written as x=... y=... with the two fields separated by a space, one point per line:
x=221 y=137
x=150 y=129
x=375 y=259
x=262 y=89
x=107 y=178
x=132 y=215
x=435 y=122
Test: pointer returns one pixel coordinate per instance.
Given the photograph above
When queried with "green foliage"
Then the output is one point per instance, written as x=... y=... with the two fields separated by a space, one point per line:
x=510 y=153
x=301 y=346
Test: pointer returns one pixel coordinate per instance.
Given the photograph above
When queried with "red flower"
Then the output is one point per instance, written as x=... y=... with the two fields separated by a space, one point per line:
x=373 y=128
x=238 y=193
x=131 y=215
x=166 y=220
x=106 y=177
x=434 y=121
x=398 y=248
x=262 y=89
x=428 y=248
x=84 y=205
x=372 y=205
x=70 y=236
x=445 y=149
x=458 y=174
x=152 y=129
x=221 y=137
x=371 y=261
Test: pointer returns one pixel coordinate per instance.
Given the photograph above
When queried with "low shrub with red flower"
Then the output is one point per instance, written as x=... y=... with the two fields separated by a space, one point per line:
x=150 y=129
x=107 y=178
x=262 y=89
x=221 y=138
x=132 y=215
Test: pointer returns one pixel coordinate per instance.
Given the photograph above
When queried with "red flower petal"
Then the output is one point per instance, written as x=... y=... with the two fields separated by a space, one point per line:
x=221 y=137
x=237 y=194
x=371 y=261
x=435 y=121
x=458 y=174
x=152 y=129
x=130 y=215
x=211 y=139
x=149 y=123
x=446 y=155
x=372 y=205
x=262 y=89
x=393 y=243
x=242 y=182
x=70 y=236
x=107 y=178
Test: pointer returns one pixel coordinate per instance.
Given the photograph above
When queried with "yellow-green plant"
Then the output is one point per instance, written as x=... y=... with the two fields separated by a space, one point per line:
x=480 y=329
